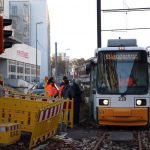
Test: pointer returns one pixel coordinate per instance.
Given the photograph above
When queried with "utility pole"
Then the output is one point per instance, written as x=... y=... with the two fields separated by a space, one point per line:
x=36 y=50
x=56 y=60
x=66 y=62
x=99 y=23
x=49 y=51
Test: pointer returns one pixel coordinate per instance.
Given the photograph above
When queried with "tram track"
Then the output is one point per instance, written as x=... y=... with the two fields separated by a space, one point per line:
x=144 y=140
x=91 y=138
x=99 y=141
x=140 y=141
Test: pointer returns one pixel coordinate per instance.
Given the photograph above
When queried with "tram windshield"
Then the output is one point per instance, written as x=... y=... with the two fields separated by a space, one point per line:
x=122 y=72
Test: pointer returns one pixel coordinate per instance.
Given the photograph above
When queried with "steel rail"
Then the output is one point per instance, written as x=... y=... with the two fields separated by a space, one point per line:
x=139 y=141
x=99 y=141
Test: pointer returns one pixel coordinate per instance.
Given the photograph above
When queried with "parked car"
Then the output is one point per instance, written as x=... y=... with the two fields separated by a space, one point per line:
x=38 y=88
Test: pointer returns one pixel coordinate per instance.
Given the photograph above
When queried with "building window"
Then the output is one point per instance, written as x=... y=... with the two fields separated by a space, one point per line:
x=20 y=67
x=12 y=62
x=12 y=66
x=20 y=77
x=27 y=78
x=12 y=76
x=14 y=11
x=27 y=68
x=38 y=70
x=33 y=69
x=33 y=79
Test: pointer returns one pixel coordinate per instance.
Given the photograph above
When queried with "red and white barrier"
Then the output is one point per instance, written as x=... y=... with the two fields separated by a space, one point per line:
x=49 y=112
x=5 y=128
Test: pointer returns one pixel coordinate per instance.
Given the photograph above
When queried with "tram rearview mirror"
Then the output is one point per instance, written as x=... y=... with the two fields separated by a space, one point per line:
x=88 y=68
x=94 y=91
x=148 y=53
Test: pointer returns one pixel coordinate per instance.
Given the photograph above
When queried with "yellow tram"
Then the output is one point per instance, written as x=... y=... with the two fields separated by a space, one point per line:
x=119 y=84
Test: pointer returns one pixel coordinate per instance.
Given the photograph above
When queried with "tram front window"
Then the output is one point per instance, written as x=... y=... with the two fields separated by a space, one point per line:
x=122 y=72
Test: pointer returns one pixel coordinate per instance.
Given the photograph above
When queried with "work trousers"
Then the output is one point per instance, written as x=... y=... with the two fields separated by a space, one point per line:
x=76 y=114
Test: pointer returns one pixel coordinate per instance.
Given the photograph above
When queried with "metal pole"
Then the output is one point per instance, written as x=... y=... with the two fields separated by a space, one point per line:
x=36 y=50
x=56 y=60
x=66 y=65
x=99 y=23
x=49 y=49
x=66 y=62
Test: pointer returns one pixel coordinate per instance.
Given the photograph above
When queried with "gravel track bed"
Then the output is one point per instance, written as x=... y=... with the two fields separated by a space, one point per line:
x=86 y=136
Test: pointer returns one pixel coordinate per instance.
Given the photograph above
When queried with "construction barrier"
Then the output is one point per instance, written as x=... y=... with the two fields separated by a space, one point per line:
x=67 y=113
x=67 y=110
x=9 y=133
x=38 y=117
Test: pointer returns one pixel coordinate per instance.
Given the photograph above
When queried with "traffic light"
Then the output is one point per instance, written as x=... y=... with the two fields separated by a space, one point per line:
x=1 y=35
x=5 y=41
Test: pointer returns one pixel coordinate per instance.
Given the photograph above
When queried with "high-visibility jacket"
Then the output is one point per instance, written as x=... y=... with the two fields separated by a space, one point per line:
x=60 y=90
x=51 y=90
x=62 y=85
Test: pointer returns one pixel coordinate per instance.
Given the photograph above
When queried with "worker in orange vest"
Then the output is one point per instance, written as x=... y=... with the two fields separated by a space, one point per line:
x=50 y=88
x=62 y=85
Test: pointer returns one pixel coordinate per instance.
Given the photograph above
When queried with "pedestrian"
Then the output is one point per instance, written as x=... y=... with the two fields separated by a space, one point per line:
x=50 y=88
x=67 y=90
x=77 y=93
x=62 y=84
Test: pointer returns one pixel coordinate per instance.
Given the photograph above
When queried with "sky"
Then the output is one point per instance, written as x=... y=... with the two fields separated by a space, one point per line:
x=74 y=24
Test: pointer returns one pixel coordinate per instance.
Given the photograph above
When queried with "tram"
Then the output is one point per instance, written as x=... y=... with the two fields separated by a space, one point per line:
x=119 y=84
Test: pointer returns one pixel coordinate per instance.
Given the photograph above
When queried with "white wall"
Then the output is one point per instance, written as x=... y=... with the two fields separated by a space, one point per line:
x=22 y=53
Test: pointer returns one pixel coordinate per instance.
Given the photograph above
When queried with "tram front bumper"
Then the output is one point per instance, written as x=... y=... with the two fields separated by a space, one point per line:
x=122 y=116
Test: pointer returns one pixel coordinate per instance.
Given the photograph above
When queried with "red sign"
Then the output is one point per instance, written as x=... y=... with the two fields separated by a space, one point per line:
x=22 y=54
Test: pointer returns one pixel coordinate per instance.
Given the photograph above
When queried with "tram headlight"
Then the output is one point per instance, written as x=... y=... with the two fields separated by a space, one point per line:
x=104 y=102
x=138 y=102
x=141 y=102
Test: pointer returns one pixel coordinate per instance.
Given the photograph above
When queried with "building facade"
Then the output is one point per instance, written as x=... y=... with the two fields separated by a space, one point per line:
x=30 y=26
x=18 y=62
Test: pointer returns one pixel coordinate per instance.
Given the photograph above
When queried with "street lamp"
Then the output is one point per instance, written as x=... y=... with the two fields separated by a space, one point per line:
x=36 y=47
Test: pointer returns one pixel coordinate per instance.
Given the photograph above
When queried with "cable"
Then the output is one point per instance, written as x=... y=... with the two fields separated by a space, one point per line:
x=123 y=29
x=126 y=10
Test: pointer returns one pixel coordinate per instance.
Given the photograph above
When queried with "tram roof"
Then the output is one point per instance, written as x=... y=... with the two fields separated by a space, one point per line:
x=122 y=42
x=119 y=49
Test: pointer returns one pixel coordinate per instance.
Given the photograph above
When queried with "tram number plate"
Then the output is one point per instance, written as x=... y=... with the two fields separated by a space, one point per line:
x=122 y=98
